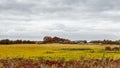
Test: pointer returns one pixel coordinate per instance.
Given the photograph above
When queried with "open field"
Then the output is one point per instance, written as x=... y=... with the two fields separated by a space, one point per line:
x=57 y=51
x=58 y=56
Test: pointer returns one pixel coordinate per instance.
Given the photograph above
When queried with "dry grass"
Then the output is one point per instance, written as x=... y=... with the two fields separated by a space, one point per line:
x=42 y=63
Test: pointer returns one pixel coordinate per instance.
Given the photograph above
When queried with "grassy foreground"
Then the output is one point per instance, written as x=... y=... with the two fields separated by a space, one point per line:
x=42 y=63
x=56 y=51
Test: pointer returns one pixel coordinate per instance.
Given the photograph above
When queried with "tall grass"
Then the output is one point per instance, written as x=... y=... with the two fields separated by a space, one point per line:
x=61 y=63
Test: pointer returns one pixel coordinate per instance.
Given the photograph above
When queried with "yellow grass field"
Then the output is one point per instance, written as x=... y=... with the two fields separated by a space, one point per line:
x=56 y=51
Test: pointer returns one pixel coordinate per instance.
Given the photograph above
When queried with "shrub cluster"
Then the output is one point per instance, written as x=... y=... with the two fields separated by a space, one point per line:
x=112 y=49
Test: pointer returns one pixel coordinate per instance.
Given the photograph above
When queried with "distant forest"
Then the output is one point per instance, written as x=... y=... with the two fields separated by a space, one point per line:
x=49 y=39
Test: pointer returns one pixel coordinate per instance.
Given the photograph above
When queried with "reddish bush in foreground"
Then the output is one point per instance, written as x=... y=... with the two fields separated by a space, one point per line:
x=41 y=63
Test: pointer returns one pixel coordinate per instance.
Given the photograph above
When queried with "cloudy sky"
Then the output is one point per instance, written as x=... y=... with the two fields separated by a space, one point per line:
x=73 y=19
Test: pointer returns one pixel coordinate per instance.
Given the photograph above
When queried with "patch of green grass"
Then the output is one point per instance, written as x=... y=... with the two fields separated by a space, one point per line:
x=49 y=52
x=76 y=49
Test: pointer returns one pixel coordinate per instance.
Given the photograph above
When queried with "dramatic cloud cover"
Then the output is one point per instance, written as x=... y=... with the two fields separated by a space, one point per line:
x=73 y=19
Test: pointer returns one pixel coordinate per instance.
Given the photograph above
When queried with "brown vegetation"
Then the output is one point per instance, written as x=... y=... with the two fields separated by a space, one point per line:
x=112 y=49
x=41 y=63
x=108 y=48
x=49 y=39
x=116 y=49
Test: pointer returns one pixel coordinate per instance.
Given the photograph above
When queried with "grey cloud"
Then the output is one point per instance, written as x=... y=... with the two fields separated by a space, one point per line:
x=74 y=19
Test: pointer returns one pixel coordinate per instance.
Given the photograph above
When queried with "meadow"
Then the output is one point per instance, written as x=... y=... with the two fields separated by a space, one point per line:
x=57 y=51
x=58 y=56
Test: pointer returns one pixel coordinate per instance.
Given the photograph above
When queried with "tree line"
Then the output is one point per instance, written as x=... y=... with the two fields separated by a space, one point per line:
x=7 y=41
x=117 y=42
x=46 y=39
x=49 y=39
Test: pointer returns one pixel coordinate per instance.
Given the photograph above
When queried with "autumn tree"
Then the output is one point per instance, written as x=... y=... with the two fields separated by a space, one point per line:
x=48 y=39
x=56 y=39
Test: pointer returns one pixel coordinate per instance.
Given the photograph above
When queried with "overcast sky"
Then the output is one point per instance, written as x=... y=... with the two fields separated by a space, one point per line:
x=72 y=19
